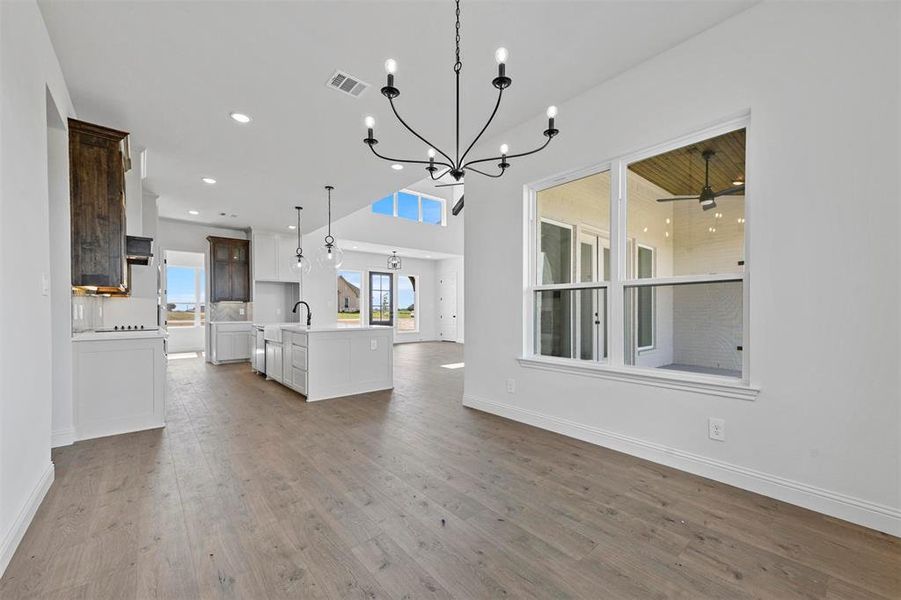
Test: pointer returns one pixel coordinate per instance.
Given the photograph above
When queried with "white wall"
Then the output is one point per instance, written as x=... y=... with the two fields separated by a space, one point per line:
x=28 y=69
x=320 y=290
x=822 y=217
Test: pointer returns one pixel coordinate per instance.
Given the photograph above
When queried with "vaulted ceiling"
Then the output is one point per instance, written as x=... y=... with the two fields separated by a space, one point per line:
x=170 y=73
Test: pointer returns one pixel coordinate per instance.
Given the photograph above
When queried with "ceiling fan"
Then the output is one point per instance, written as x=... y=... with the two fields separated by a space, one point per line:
x=707 y=197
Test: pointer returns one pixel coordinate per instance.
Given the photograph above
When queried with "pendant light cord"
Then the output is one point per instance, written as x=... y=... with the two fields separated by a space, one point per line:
x=329 y=240
x=458 y=66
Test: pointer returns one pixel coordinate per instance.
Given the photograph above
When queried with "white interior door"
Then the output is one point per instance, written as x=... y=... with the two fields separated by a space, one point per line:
x=447 y=307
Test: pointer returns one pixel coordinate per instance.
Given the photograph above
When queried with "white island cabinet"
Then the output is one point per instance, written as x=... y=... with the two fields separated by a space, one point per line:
x=329 y=362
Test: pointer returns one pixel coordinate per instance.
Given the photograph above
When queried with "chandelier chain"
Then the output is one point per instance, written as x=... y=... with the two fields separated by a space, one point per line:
x=459 y=64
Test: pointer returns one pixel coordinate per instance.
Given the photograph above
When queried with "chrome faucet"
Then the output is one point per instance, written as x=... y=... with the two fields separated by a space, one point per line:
x=309 y=314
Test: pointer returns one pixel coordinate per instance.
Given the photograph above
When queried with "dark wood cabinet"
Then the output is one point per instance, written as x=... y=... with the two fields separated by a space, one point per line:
x=97 y=165
x=230 y=269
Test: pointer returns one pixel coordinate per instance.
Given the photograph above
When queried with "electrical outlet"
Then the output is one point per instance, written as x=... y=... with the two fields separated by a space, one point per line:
x=240 y=311
x=716 y=429
x=373 y=344
x=511 y=386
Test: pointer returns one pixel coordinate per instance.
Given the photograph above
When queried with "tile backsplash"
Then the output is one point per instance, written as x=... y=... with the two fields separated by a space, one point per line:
x=87 y=313
x=230 y=311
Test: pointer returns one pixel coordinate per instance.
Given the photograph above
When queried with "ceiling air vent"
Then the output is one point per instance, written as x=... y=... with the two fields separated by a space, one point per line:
x=348 y=84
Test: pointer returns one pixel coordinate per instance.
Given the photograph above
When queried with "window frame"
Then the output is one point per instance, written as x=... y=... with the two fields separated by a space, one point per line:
x=199 y=273
x=419 y=198
x=363 y=294
x=614 y=367
x=415 y=303
x=653 y=345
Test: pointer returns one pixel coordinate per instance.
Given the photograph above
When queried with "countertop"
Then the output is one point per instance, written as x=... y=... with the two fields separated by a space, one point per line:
x=297 y=327
x=99 y=336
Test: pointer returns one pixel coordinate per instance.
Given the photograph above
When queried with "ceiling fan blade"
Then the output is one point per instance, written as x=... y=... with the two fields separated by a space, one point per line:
x=732 y=191
x=448 y=184
x=458 y=206
x=673 y=199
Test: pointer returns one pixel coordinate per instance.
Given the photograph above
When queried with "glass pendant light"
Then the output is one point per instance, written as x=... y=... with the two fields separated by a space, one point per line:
x=301 y=264
x=330 y=256
x=394 y=261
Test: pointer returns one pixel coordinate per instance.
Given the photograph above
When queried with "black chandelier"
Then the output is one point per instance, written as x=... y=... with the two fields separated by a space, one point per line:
x=458 y=165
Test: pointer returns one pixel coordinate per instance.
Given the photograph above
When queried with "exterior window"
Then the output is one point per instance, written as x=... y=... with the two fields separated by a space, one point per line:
x=349 y=290
x=385 y=206
x=411 y=206
x=406 y=304
x=671 y=284
x=185 y=290
x=408 y=206
x=432 y=211
x=381 y=299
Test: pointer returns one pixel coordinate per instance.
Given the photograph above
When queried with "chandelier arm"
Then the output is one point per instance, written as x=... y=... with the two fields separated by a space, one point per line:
x=486 y=174
x=408 y=161
x=432 y=174
x=509 y=156
x=497 y=105
x=411 y=130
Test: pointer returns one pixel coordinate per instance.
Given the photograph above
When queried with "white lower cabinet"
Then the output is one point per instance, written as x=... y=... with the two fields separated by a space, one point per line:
x=231 y=342
x=274 y=356
x=119 y=385
x=294 y=369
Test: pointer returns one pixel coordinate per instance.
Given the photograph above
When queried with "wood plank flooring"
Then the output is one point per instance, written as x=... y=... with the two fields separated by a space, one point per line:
x=252 y=493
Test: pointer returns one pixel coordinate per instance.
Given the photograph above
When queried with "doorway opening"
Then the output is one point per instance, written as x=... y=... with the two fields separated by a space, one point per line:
x=185 y=307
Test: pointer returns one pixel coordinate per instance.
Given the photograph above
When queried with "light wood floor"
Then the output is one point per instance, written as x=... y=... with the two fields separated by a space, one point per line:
x=252 y=493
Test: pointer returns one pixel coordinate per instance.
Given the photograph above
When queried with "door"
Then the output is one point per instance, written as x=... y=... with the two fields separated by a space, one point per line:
x=593 y=265
x=447 y=307
x=381 y=298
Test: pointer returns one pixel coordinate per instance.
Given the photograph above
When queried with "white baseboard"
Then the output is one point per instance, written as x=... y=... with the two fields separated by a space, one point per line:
x=23 y=519
x=62 y=437
x=862 y=512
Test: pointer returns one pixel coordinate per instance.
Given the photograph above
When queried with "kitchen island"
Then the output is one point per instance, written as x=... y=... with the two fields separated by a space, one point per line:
x=328 y=362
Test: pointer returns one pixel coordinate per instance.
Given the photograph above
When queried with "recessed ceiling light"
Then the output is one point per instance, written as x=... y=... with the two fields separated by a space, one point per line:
x=292 y=226
x=208 y=180
x=397 y=167
x=193 y=212
x=240 y=117
x=737 y=181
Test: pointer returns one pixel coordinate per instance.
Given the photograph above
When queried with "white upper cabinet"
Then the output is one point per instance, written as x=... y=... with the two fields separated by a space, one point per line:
x=272 y=257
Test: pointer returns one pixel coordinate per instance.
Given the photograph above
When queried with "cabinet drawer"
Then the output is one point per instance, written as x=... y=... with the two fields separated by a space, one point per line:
x=298 y=357
x=299 y=380
x=299 y=339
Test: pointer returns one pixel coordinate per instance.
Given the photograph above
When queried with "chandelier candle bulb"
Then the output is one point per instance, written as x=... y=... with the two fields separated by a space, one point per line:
x=500 y=55
x=551 y=115
x=390 y=69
